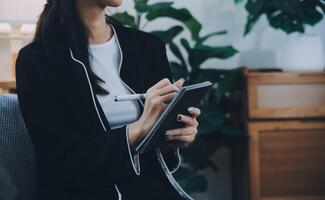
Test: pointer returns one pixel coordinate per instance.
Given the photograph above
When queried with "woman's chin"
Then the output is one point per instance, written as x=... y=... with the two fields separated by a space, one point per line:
x=113 y=3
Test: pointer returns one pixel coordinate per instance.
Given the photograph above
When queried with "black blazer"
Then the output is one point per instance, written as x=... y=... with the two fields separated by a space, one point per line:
x=78 y=155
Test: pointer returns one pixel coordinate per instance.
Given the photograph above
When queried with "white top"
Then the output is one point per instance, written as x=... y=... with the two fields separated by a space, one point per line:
x=105 y=60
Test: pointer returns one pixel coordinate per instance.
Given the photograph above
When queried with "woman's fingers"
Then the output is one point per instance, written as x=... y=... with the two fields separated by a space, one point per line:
x=165 y=82
x=166 y=89
x=195 y=112
x=169 y=88
x=181 y=131
x=168 y=97
x=187 y=120
x=182 y=138
x=179 y=83
x=186 y=134
x=162 y=83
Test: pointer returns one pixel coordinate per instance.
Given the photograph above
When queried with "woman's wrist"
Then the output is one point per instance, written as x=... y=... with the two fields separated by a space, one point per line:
x=135 y=132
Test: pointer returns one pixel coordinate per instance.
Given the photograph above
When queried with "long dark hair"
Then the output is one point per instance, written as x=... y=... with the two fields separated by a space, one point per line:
x=61 y=19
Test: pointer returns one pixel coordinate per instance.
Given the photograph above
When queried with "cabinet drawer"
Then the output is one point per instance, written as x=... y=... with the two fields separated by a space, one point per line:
x=286 y=95
x=287 y=160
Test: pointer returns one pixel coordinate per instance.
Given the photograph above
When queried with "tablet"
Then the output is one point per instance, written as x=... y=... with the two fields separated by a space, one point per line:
x=187 y=96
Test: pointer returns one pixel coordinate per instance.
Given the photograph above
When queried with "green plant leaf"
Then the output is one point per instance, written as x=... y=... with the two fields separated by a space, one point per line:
x=183 y=15
x=142 y=7
x=190 y=180
x=175 y=50
x=201 y=53
x=210 y=121
x=186 y=44
x=168 y=35
x=255 y=11
x=203 y=39
x=197 y=155
x=251 y=21
x=238 y=1
x=322 y=6
x=214 y=121
x=287 y=15
x=125 y=18
x=178 y=71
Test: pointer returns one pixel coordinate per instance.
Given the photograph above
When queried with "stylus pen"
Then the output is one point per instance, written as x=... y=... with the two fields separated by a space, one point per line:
x=130 y=97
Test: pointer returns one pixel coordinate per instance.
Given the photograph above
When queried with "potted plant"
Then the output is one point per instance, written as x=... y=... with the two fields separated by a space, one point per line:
x=190 y=55
x=302 y=51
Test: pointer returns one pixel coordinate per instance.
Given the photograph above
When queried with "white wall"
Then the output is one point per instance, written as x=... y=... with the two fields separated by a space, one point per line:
x=20 y=10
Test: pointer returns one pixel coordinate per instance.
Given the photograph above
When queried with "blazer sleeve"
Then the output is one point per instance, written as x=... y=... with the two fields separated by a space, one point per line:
x=162 y=66
x=85 y=157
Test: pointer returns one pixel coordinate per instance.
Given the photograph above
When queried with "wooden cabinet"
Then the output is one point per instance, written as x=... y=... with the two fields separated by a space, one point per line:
x=287 y=160
x=8 y=87
x=285 y=95
x=286 y=126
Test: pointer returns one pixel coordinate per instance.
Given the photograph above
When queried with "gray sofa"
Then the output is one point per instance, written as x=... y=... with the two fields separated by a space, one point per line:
x=17 y=167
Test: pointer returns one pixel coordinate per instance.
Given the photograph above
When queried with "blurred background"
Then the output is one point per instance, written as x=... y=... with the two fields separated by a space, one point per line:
x=262 y=134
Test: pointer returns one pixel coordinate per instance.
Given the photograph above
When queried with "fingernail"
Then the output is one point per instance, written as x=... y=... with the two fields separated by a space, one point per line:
x=179 y=117
x=167 y=133
x=190 y=109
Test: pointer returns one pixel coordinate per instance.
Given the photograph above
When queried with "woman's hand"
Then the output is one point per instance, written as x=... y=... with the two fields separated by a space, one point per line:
x=155 y=103
x=183 y=136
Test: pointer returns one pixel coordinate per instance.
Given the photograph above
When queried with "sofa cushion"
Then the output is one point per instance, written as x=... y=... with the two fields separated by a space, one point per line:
x=17 y=167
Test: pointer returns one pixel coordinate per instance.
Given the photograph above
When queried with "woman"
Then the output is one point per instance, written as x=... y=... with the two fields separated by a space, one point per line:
x=66 y=80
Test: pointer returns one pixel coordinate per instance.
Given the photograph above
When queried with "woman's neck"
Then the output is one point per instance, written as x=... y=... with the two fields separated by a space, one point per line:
x=95 y=20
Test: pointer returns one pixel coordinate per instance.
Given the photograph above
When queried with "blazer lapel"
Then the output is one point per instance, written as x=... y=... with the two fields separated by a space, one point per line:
x=131 y=72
